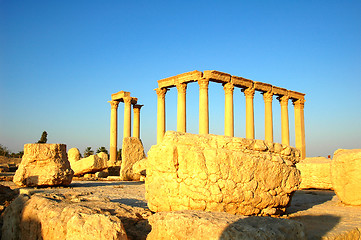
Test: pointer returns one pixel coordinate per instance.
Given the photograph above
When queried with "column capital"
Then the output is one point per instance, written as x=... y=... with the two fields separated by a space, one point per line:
x=299 y=103
x=228 y=87
x=114 y=104
x=268 y=96
x=127 y=100
x=203 y=83
x=181 y=87
x=137 y=106
x=249 y=92
x=161 y=92
x=283 y=100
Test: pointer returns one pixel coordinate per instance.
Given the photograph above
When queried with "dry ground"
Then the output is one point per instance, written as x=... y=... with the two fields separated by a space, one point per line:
x=321 y=212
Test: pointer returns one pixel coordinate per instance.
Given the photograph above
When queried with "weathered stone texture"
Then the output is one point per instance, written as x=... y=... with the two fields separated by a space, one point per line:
x=346 y=175
x=55 y=217
x=91 y=164
x=73 y=155
x=197 y=225
x=132 y=152
x=218 y=173
x=44 y=165
x=315 y=173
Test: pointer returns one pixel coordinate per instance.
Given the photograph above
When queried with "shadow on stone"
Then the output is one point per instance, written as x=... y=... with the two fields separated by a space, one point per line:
x=131 y=202
x=256 y=227
x=306 y=199
x=317 y=227
x=102 y=184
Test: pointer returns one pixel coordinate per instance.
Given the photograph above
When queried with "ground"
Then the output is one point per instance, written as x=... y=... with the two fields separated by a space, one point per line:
x=321 y=212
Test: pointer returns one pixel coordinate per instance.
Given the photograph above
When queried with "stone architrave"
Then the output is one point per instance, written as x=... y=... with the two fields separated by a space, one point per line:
x=346 y=175
x=315 y=173
x=44 y=165
x=91 y=164
x=195 y=225
x=132 y=152
x=219 y=173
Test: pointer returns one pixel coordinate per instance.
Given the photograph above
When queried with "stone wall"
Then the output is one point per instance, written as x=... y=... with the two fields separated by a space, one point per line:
x=218 y=173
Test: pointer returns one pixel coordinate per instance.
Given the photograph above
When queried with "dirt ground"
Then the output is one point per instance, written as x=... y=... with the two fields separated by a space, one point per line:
x=321 y=212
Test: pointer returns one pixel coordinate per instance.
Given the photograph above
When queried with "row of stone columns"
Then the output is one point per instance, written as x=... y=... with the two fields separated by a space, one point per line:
x=229 y=119
x=127 y=123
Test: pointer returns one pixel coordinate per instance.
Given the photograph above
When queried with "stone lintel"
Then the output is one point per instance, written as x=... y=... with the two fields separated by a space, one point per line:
x=279 y=91
x=120 y=95
x=241 y=82
x=216 y=76
x=295 y=95
x=263 y=87
x=180 y=78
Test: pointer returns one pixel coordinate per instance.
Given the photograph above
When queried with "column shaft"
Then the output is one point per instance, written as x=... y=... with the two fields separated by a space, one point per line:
x=267 y=97
x=284 y=120
x=127 y=117
x=228 y=110
x=161 y=113
x=203 y=106
x=249 y=94
x=181 y=108
x=113 y=130
x=300 y=126
x=136 y=121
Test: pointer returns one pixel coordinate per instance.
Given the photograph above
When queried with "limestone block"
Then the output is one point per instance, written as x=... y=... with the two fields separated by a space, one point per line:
x=50 y=217
x=44 y=165
x=218 y=173
x=140 y=167
x=346 y=175
x=196 y=225
x=73 y=155
x=132 y=152
x=315 y=173
x=91 y=164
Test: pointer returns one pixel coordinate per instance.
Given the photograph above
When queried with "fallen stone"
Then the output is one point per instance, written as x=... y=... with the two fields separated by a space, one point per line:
x=44 y=165
x=132 y=152
x=72 y=216
x=196 y=225
x=73 y=155
x=346 y=175
x=218 y=173
x=315 y=173
x=140 y=167
x=91 y=164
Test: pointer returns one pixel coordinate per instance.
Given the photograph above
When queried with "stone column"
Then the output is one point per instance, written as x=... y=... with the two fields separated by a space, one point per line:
x=268 y=97
x=113 y=130
x=127 y=117
x=203 y=106
x=300 y=126
x=161 y=113
x=249 y=94
x=228 y=109
x=136 y=121
x=181 y=108
x=284 y=120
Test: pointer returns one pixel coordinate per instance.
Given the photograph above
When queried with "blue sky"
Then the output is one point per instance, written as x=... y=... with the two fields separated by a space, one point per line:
x=61 y=60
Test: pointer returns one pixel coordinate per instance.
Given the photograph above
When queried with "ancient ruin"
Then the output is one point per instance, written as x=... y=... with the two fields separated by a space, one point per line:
x=229 y=82
x=44 y=165
x=125 y=97
x=220 y=173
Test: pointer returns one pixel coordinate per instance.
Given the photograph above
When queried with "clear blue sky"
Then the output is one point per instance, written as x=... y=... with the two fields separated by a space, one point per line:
x=61 y=60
